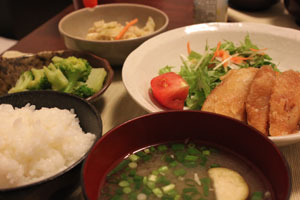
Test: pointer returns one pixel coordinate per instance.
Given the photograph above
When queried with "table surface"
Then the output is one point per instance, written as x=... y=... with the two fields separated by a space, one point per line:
x=116 y=106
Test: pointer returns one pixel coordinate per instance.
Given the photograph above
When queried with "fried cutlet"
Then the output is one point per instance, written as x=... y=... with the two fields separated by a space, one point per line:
x=284 y=113
x=229 y=97
x=257 y=103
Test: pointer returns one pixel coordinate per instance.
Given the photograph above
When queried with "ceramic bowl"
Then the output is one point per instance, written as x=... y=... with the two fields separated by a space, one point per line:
x=64 y=183
x=74 y=26
x=12 y=64
x=144 y=63
x=170 y=126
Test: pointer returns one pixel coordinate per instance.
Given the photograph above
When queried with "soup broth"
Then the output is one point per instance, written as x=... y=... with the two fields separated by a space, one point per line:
x=179 y=171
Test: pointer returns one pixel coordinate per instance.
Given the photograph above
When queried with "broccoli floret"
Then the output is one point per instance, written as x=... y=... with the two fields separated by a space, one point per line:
x=40 y=81
x=22 y=82
x=96 y=78
x=75 y=69
x=82 y=90
x=55 y=76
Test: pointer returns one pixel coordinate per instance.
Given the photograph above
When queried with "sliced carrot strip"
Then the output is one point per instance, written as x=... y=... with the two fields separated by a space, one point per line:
x=188 y=47
x=125 y=29
x=216 y=52
x=239 y=59
x=224 y=57
x=256 y=50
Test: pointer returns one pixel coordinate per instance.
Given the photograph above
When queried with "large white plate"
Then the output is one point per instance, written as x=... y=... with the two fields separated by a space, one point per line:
x=165 y=49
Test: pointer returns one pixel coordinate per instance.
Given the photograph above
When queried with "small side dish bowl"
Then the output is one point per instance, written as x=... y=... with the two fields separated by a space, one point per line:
x=74 y=27
x=65 y=182
x=12 y=67
x=180 y=126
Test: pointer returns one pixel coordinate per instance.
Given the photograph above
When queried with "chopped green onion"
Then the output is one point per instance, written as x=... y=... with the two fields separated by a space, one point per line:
x=150 y=184
x=173 y=164
x=132 y=173
x=168 y=188
x=126 y=190
x=163 y=169
x=141 y=196
x=116 y=197
x=203 y=160
x=155 y=172
x=162 y=148
x=163 y=180
x=123 y=183
x=257 y=196
x=121 y=166
x=177 y=147
x=134 y=157
x=147 y=151
x=152 y=149
x=132 y=165
x=214 y=165
x=206 y=152
x=179 y=155
x=206 y=184
x=152 y=177
x=179 y=172
x=168 y=158
x=190 y=158
x=193 y=151
x=157 y=192
x=147 y=191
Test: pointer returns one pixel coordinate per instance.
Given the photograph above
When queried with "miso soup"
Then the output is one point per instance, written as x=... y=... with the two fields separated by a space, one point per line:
x=183 y=171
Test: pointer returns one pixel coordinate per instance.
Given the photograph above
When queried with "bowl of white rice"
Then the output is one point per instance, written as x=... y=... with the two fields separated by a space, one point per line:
x=44 y=137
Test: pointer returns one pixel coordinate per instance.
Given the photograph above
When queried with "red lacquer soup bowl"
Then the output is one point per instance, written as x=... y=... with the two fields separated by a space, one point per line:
x=201 y=127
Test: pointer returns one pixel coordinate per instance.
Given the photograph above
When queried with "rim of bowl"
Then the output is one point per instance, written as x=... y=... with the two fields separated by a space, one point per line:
x=81 y=159
x=265 y=138
x=61 y=30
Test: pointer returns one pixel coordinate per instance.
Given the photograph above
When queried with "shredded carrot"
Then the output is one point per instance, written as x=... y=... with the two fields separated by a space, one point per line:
x=188 y=47
x=123 y=31
x=224 y=57
x=217 y=51
x=256 y=50
x=239 y=59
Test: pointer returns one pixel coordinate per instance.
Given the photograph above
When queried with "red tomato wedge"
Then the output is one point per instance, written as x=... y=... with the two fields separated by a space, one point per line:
x=90 y=3
x=170 y=90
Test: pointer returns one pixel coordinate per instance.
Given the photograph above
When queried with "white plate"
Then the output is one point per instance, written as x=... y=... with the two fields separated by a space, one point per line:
x=165 y=49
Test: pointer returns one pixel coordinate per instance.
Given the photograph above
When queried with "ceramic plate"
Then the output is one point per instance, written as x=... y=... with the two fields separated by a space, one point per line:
x=165 y=49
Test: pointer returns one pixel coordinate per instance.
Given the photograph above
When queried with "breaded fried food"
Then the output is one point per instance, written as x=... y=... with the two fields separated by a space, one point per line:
x=285 y=104
x=229 y=97
x=257 y=103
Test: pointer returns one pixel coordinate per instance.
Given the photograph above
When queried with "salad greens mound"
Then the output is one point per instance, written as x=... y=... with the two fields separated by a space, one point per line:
x=203 y=71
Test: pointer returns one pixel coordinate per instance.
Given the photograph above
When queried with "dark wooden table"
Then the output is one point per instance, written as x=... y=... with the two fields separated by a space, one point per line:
x=47 y=37
x=111 y=106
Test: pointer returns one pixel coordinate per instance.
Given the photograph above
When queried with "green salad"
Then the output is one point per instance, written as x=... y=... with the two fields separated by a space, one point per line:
x=202 y=72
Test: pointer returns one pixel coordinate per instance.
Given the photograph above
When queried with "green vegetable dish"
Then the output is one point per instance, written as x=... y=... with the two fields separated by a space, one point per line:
x=185 y=171
x=71 y=75
x=202 y=72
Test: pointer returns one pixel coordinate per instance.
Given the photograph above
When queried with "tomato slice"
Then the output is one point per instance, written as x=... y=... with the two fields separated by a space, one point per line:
x=90 y=3
x=170 y=90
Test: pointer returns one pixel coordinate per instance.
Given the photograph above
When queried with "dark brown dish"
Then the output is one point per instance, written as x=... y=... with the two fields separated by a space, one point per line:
x=11 y=68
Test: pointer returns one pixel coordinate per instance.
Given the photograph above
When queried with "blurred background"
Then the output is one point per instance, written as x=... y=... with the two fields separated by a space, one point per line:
x=19 y=18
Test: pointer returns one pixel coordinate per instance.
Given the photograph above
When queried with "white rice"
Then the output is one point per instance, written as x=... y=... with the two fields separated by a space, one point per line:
x=35 y=144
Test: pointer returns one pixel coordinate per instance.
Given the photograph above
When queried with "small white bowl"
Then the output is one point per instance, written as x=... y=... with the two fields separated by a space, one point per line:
x=144 y=63
x=74 y=27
